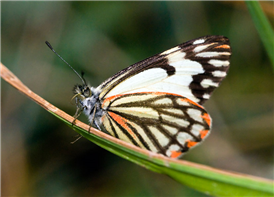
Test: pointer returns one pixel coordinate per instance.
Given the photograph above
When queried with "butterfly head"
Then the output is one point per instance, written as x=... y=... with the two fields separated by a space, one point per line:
x=86 y=100
x=82 y=92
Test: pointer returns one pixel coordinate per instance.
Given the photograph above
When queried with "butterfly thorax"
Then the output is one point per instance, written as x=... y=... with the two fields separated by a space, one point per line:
x=87 y=100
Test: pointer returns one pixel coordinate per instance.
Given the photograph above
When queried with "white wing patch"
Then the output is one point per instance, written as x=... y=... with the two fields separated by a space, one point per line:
x=157 y=79
x=206 y=96
x=174 y=111
x=139 y=81
x=211 y=54
x=176 y=58
x=199 y=41
x=208 y=82
x=218 y=73
x=170 y=50
x=162 y=101
x=162 y=139
x=196 y=128
x=218 y=63
x=202 y=47
x=196 y=114
x=171 y=130
x=175 y=121
x=183 y=137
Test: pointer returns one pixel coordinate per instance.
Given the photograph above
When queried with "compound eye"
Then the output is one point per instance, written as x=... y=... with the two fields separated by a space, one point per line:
x=87 y=92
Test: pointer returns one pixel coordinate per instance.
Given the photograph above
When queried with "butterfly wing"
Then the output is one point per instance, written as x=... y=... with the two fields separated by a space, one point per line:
x=164 y=123
x=192 y=69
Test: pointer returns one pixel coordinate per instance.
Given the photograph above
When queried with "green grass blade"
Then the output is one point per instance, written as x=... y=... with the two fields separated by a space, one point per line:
x=202 y=178
x=263 y=27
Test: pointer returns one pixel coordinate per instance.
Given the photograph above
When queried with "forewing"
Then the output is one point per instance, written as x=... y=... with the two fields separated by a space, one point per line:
x=164 y=123
x=192 y=69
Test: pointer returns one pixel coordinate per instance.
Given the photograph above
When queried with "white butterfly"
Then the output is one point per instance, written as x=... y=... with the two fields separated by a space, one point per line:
x=156 y=103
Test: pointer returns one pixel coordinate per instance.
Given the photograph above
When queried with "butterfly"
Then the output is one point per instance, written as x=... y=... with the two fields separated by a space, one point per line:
x=156 y=104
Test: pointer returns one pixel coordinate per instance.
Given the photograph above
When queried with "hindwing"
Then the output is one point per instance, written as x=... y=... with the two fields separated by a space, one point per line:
x=164 y=123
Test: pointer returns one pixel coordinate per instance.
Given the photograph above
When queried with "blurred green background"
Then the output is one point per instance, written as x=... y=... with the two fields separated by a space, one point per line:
x=101 y=38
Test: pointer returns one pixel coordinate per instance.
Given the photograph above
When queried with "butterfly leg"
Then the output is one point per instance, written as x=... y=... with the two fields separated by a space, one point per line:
x=78 y=113
x=78 y=138
x=92 y=118
x=97 y=125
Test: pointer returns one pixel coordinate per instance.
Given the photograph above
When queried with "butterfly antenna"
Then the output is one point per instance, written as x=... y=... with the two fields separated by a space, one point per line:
x=82 y=73
x=83 y=80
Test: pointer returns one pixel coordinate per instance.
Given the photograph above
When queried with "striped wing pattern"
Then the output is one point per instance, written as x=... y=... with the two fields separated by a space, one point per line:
x=164 y=123
x=192 y=69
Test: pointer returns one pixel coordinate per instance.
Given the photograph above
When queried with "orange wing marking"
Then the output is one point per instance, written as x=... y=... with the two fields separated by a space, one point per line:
x=190 y=143
x=206 y=117
x=224 y=46
x=110 y=98
x=175 y=154
x=192 y=102
x=203 y=133
x=123 y=122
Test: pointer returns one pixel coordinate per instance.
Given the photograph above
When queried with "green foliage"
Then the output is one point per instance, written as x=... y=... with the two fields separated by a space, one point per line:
x=263 y=27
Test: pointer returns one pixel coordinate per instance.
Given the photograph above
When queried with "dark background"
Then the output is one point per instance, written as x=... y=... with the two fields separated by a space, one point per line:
x=101 y=38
